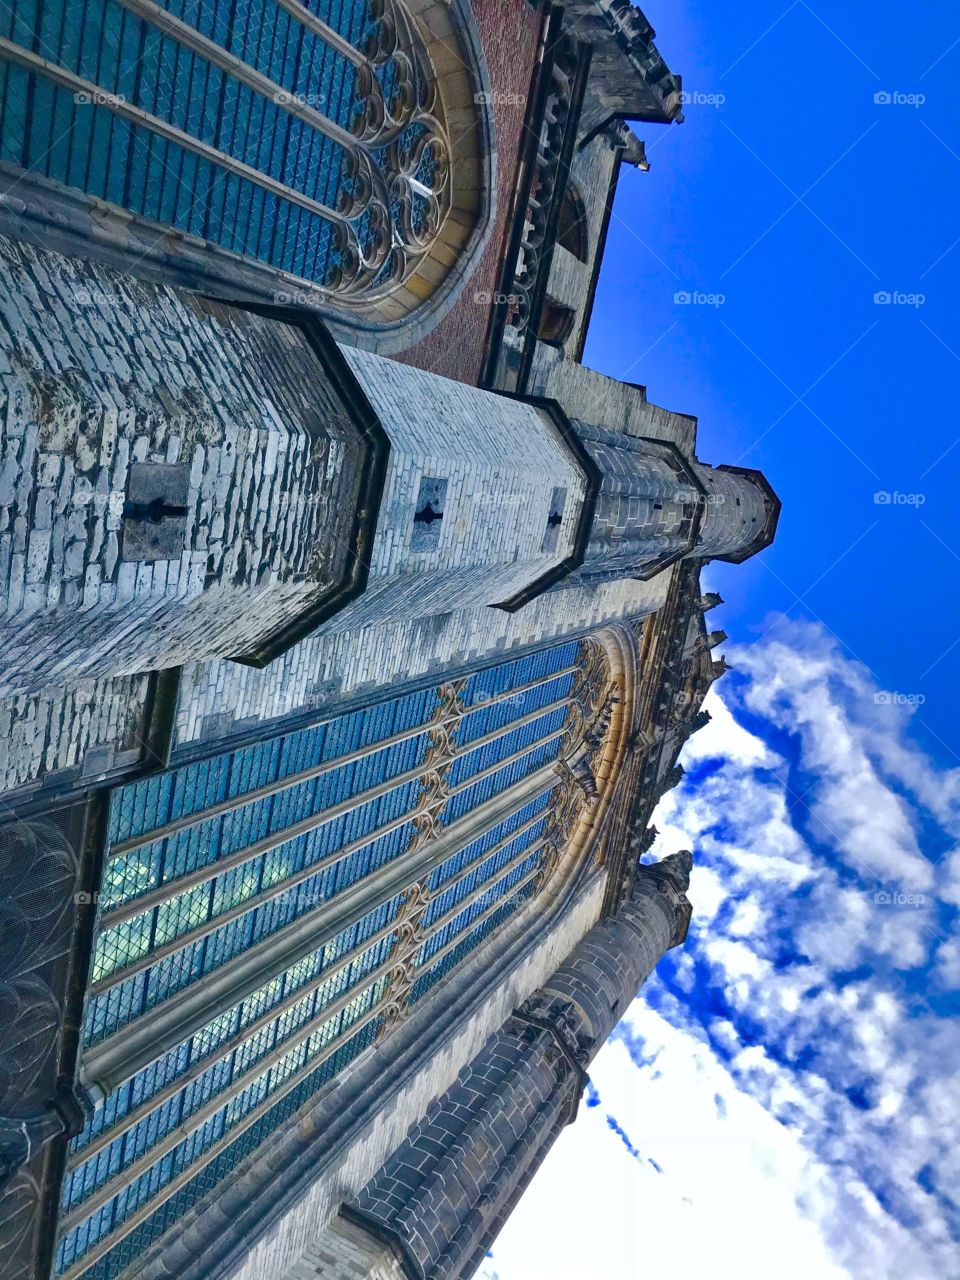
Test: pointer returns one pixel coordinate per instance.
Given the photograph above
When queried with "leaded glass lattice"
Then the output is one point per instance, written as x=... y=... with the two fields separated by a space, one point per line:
x=217 y=857
x=317 y=146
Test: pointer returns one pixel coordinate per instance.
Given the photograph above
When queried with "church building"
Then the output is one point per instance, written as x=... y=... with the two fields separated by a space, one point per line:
x=351 y=626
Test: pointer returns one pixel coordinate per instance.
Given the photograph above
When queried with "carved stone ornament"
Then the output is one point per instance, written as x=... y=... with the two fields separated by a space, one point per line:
x=38 y=895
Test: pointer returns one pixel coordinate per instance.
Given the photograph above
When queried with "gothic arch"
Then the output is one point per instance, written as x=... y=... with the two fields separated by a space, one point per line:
x=488 y=799
x=430 y=240
x=269 y=914
x=572 y=224
x=353 y=171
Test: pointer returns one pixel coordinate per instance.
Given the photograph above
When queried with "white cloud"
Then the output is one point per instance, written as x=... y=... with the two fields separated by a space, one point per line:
x=795 y=1085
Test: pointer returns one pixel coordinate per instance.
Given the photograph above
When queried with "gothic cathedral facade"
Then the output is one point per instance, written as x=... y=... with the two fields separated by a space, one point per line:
x=351 y=626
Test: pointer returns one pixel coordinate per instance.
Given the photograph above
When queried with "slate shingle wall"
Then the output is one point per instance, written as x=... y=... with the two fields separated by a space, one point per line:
x=502 y=460
x=100 y=372
x=221 y=698
x=46 y=736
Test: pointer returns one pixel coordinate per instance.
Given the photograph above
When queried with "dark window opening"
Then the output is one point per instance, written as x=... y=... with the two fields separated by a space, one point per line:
x=572 y=225
x=428 y=514
x=556 y=322
x=554 y=520
x=155 y=512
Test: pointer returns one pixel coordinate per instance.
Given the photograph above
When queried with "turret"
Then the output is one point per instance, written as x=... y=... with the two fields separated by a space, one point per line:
x=740 y=516
x=654 y=506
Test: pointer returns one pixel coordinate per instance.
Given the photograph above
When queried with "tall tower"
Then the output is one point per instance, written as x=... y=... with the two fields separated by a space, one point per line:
x=352 y=627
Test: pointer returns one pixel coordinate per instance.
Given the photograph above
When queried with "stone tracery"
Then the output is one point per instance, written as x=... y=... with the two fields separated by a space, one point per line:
x=359 y=187
x=398 y=171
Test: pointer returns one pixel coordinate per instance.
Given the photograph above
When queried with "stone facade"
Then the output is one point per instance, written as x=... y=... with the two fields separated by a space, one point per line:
x=442 y=1195
x=252 y=568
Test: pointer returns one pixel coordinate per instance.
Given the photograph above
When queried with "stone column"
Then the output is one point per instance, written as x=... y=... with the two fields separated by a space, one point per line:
x=446 y=1191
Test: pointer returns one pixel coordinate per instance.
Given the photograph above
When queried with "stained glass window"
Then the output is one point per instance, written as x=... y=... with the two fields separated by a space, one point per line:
x=306 y=136
x=253 y=849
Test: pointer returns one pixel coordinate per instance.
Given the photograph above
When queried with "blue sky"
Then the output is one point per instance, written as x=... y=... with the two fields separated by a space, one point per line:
x=783 y=1097
x=717 y=215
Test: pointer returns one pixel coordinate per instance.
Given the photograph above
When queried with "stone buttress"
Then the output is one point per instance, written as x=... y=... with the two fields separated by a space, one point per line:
x=185 y=481
x=179 y=478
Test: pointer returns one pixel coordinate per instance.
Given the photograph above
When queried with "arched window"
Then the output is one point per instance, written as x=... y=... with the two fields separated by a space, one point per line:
x=572 y=224
x=269 y=913
x=556 y=322
x=315 y=145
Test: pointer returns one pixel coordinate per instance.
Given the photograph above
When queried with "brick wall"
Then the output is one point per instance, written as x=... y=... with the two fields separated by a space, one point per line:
x=348 y=1252
x=510 y=31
